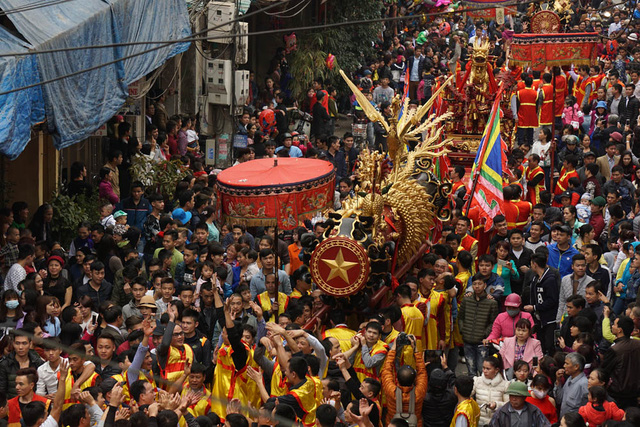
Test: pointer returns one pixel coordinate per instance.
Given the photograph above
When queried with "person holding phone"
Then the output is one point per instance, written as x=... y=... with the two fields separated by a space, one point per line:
x=504 y=267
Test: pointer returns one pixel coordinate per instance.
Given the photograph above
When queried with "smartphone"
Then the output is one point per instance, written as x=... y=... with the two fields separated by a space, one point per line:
x=556 y=335
x=502 y=262
x=535 y=361
x=94 y=318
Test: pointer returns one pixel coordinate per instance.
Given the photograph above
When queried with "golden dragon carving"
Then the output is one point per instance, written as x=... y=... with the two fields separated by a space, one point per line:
x=399 y=189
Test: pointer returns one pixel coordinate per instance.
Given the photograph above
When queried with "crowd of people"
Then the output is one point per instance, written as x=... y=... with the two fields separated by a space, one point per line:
x=160 y=314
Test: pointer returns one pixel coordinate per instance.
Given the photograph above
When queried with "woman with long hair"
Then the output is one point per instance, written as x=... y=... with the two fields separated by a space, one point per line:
x=28 y=304
x=86 y=308
x=47 y=312
x=629 y=169
x=504 y=267
x=34 y=282
x=209 y=216
x=40 y=224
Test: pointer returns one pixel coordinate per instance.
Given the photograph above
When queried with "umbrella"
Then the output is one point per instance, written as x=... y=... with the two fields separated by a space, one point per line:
x=278 y=192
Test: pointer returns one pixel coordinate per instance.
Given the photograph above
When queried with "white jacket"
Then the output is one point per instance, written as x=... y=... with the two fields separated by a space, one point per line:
x=487 y=391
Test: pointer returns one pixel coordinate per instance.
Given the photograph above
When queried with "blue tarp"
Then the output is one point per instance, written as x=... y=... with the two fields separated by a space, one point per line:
x=18 y=110
x=76 y=106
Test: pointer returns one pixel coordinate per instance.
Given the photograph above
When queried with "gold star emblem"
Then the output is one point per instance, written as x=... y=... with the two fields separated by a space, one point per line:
x=339 y=267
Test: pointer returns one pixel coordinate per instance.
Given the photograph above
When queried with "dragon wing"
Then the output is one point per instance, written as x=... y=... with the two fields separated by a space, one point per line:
x=415 y=119
x=373 y=114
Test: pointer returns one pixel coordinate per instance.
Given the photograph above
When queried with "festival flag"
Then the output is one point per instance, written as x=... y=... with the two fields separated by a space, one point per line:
x=486 y=191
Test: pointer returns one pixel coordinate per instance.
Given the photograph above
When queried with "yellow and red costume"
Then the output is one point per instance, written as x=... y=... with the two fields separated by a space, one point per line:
x=229 y=383
x=533 y=192
x=264 y=301
x=433 y=309
x=342 y=334
x=358 y=363
x=176 y=361
x=470 y=410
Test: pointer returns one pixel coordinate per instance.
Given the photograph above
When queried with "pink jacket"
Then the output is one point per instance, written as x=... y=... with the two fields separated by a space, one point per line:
x=508 y=351
x=571 y=114
x=505 y=326
x=106 y=192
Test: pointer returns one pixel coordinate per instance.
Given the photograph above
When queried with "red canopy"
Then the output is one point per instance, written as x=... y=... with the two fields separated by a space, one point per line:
x=547 y=50
x=279 y=191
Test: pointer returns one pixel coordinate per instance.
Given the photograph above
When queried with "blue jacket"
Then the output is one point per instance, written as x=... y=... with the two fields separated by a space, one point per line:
x=561 y=262
x=136 y=215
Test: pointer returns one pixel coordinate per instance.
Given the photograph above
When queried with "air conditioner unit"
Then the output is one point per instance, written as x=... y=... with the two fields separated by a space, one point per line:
x=218 y=75
x=219 y=16
x=242 y=86
x=242 y=43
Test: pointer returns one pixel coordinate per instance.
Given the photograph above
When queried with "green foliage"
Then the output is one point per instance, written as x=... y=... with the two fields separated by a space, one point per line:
x=158 y=177
x=351 y=45
x=69 y=212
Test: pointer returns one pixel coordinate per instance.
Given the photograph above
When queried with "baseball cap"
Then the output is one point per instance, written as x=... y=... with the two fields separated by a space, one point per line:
x=599 y=201
x=589 y=154
x=181 y=215
x=566 y=194
x=159 y=330
x=118 y=214
x=147 y=301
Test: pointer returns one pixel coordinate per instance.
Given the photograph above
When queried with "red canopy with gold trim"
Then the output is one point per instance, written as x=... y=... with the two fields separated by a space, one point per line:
x=542 y=50
x=280 y=191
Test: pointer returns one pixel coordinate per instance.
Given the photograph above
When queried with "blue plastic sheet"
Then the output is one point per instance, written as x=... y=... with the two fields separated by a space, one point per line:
x=76 y=106
x=18 y=110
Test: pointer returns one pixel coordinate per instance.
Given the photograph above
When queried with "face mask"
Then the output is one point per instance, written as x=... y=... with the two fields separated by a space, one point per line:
x=513 y=312
x=539 y=394
x=12 y=305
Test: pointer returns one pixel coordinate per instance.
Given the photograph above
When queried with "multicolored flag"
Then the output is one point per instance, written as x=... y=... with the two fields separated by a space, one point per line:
x=486 y=189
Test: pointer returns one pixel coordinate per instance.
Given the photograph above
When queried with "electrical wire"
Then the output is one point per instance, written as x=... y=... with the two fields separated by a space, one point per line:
x=192 y=37
x=124 y=58
x=304 y=4
x=196 y=36
x=258 y=33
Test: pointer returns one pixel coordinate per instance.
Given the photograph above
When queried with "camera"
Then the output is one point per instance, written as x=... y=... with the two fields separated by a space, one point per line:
x=403 y=339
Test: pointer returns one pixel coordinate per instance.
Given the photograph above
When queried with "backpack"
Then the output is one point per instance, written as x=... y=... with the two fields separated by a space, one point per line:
x=410 y=417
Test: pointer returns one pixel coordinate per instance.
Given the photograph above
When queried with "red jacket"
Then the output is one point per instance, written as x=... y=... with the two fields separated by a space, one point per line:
x=596 y=417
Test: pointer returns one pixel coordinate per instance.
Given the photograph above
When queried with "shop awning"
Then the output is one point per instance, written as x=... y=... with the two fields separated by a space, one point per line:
x=76 y=106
